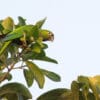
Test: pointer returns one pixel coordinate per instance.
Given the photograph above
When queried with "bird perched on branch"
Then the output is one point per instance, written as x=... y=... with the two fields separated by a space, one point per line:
x=24 y=35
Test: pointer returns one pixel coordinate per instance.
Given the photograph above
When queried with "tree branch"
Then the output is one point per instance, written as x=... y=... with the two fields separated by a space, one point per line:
x=5 y=76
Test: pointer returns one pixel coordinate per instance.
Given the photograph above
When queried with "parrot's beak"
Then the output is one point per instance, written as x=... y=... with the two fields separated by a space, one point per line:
x=51 y=36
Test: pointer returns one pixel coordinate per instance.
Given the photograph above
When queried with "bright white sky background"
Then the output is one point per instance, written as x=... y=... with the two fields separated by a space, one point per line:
x=76 y=25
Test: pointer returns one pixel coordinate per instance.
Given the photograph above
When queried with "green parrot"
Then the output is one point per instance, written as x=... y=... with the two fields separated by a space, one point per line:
x=26 y=33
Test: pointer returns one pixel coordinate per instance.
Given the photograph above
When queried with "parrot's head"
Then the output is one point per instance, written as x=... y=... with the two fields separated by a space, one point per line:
x=46 y=35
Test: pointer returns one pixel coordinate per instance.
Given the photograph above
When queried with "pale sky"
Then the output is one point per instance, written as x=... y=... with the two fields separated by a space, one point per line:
x=76 y=25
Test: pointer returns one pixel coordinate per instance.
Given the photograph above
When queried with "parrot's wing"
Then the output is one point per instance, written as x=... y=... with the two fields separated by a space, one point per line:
x=17 y=33
x=10 y=37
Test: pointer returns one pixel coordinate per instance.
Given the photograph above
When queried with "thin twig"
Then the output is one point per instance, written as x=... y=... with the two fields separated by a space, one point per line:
x=5 y=76
x=21 y=67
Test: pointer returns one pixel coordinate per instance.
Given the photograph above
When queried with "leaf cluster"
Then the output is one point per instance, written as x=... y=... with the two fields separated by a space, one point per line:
x=84 y=88
x=17 y=49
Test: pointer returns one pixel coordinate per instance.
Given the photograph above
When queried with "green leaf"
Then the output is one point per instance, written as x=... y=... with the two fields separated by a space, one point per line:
x=2 y=65
x=1 y=28
x=29 y=55
x=29 y=77
x=1 y=62
x=75 y=90
x=83 y=80
x=40 y=23
x=48 y=59
x=16 y=88
x=91 y=96
x=13 y=96
x=95 y=85
x=38 y=75
x=8 y=24
x=9 y=77
x=10 y=60
x=51 y=75
x=85 y=85
x=2 y=74
x=36 y=48
x=21 y=21
x=20 y=97
x=9 y=96
x=81 y=96
x=32 y=55
x=56 y=94
x=41 y=54
x=13 y=50
x=1 y=21
x=4 y=47
x=45 y=46
x=39 y=41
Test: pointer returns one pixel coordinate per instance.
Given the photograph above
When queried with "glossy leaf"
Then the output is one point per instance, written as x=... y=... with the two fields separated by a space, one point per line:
x=45 y=46
x=41 y=54
x=29 y=77
x=21 y=21
x=56 y=94
x=75 y=90
x=38 y=75
x=4 y=47
x=29 y=55
x=13 y=50
x=51 y=75
x=32 y=55
x=39 y=41
x=95 y=85
x=8 y=24
x=40 y=23
x=83 y=80
x=13 y=96
x=9 y=96
x=45 y=58
x=15 y=88
x=21 y=97
x=85 y=85
x=36 y=48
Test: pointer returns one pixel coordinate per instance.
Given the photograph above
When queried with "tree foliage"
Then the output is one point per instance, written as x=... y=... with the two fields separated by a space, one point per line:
x=21 y=44
x=84 y=88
